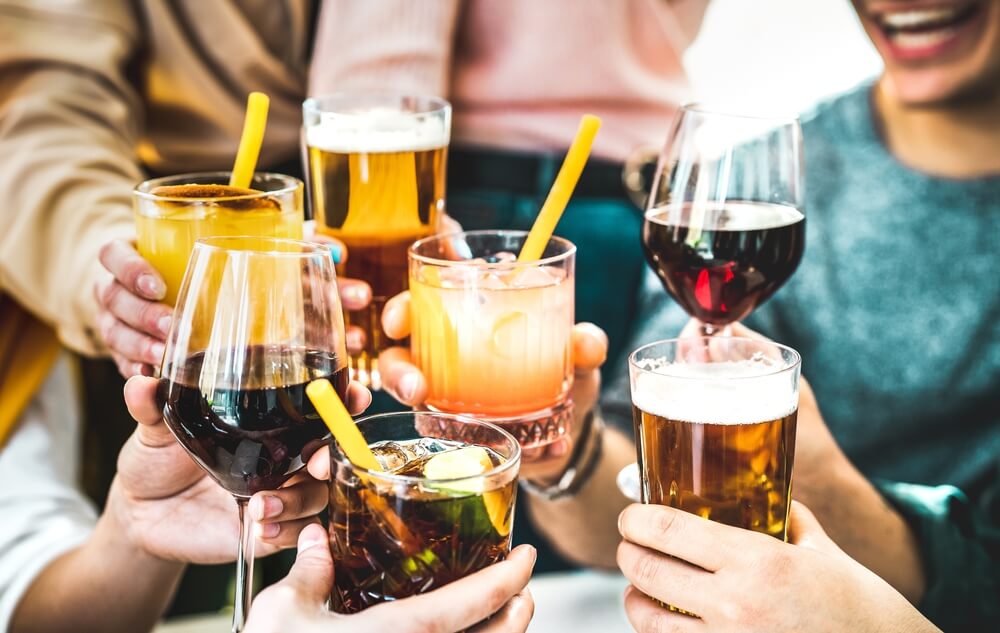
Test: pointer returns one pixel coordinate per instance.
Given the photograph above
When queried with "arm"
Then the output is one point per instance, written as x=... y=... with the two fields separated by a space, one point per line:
x=68 y=132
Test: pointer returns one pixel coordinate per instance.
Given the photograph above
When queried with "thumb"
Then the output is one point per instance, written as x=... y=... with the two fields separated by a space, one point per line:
x=805 y=530
x=311 y=577
x=144 y=407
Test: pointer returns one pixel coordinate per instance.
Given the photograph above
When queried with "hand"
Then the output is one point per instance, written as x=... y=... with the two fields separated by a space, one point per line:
x=172 y=510
x=298 y=603
x=738 y=580
x=134 y=322
x=406 y=383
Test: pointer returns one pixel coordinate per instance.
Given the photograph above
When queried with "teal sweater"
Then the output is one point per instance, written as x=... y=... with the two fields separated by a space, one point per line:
x=896 y=311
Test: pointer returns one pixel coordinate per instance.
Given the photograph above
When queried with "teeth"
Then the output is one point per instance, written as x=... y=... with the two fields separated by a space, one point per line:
x=909 y=19
x=921 y=40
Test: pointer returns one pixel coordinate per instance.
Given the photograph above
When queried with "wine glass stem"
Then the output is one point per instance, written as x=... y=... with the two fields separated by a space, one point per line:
x=244 y=568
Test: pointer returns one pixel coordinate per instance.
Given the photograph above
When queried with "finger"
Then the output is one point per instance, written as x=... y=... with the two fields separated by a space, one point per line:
x=338 y=249
x=514 y=617
x=145 y=316
x=358 y=397
x=279 y=536
x=804 y=529
x=647 y=616
x=312 y=574
x=130 y=343
x=666 y=578
x=301 y=500
x=143 y=406
x=396 y=316
x=590 y=346
x=319 y=464
x=464 y=602
x=448 y=224
x=132 y=271
x=692 y=328
x=701 y=542
x=400 y=377
x=355 y=339
x=128 y=368
x=354 y=293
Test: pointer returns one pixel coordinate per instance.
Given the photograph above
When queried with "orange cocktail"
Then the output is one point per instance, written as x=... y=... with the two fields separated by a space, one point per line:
x=493 y=335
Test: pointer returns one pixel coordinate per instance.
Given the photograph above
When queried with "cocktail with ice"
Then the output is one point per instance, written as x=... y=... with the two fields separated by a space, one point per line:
x=493 y=335
x=442 y=508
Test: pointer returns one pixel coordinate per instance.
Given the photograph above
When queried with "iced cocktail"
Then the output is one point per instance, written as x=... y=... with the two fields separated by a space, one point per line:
x=492 y=335
x=442 y=509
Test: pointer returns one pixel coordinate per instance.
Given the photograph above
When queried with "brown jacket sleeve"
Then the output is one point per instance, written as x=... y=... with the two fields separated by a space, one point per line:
x=69 y=122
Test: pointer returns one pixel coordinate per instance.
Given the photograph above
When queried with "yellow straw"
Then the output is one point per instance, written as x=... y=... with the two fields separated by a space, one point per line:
x=250 y=141
x=339 y=421
x=562 y=189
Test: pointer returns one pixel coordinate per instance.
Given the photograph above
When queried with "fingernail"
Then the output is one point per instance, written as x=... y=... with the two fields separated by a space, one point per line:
x=408 y=386
x=268 y=530
x=335 y=253
x=156 y=351
x=265 y=507
x=163 y=325
x=150 y=286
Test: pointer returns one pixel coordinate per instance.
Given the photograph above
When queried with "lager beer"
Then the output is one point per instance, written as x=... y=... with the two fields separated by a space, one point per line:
x=376 y=172
x=715 y=428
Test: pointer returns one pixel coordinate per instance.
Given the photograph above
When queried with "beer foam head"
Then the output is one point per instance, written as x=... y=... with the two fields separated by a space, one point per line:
x=730 y=392
x=376 y=130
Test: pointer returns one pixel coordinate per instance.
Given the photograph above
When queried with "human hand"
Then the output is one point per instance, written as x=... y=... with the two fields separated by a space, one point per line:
x=173 y=510
x=298 y=602
x=738 y=580
x=406 y=383
x=134 y=322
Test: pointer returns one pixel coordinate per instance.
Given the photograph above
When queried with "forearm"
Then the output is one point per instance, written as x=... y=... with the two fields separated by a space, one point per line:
x=106 y=585
x=584 y=527
x=860 y=521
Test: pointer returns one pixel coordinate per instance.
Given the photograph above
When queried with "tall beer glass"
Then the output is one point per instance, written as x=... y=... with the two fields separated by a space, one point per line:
x=376 y=175
x=715 y=428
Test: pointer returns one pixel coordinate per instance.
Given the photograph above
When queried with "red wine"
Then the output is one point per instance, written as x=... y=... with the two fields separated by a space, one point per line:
x=720 y=262
x=250 y=430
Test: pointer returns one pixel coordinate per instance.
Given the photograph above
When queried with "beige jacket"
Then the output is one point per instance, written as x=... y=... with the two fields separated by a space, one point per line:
x=94 y=94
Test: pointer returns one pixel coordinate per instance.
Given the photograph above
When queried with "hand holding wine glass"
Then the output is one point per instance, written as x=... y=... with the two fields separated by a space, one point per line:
x=256 y=320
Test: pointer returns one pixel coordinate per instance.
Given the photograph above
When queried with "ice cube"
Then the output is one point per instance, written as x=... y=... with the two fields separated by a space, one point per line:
x=535 y=277
x=391 y=456
x=505 y=257
x=491 y=281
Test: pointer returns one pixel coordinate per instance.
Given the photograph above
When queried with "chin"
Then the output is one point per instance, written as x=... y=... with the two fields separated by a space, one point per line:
x=936 y=51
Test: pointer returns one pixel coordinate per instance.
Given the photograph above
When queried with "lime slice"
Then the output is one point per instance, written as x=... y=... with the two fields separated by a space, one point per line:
x=470 y=461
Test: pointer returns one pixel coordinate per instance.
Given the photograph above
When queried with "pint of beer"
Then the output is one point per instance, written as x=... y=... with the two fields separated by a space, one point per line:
x=715 y=428
x=376 y=176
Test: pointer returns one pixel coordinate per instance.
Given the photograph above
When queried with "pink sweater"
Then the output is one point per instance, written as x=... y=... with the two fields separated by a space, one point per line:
x=519 y=73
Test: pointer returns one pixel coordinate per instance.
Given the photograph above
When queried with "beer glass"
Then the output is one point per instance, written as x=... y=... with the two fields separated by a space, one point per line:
x=172 y=212
x=724 y=225
x=715 y=428
x=376 y=175
x=443 y=508
x=257 y=319
x=494 y=336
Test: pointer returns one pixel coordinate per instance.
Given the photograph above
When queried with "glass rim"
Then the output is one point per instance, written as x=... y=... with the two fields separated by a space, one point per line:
x=511 y=462
x=309 y=249
x=724 y=111
x=794 y=363
x=318 y=104
x=143 y=189
x=570 y=250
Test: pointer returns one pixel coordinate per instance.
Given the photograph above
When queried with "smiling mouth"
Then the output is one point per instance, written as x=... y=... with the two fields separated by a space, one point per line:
x=919 y=30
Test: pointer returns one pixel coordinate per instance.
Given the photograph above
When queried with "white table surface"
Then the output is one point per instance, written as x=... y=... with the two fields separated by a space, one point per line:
x=575 y=602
